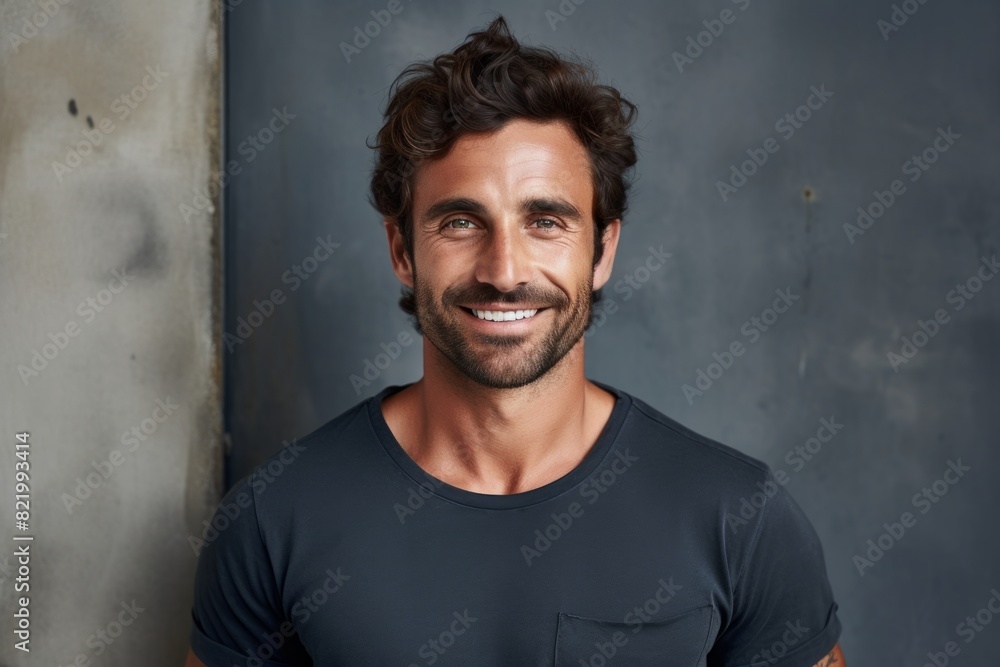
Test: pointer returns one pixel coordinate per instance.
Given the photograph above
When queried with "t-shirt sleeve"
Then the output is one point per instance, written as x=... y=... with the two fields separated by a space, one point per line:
x=784 y=613
x=237 y=616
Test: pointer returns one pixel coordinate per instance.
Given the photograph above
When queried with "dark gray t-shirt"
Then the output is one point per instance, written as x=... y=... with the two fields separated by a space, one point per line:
x=661 y=547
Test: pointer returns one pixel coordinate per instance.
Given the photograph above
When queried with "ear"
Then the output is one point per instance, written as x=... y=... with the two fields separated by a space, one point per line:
x=602 y=271
x=402 y=263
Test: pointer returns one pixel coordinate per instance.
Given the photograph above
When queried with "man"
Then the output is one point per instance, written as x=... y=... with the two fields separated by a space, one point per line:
x=504 y=509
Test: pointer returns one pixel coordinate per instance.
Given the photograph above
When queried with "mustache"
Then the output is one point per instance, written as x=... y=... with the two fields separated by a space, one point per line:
x=487 y=294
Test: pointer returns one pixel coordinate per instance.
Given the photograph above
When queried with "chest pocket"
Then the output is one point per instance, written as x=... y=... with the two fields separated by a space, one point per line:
x=678 y=641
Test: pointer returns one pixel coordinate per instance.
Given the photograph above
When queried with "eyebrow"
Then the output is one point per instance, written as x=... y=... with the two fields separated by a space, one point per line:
x=554 y=205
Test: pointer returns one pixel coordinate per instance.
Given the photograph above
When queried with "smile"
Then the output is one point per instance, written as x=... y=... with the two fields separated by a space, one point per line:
x=503 y=315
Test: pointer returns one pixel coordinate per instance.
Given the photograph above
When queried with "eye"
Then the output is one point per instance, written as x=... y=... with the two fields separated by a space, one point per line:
x=553 y=224
x=448 y=224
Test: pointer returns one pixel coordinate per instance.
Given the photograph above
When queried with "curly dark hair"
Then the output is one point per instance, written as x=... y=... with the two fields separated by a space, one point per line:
x=485 y=82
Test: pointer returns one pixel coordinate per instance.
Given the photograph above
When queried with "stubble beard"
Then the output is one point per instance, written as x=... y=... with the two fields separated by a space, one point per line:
x=503 y=361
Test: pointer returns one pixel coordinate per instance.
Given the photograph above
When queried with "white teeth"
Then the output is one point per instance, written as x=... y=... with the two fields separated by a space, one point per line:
x=503 y=315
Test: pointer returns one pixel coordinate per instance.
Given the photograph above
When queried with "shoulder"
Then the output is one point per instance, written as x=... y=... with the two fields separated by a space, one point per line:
x=305 y=470
x=693 y=452
x=320 y=446
x=717 y=484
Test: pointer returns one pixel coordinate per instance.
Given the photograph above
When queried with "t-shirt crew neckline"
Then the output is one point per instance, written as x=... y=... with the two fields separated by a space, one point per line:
x=600 y=450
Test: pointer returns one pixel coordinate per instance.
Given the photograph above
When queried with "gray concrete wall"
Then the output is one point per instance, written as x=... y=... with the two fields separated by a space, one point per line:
x=110 y=321
x=854 y=296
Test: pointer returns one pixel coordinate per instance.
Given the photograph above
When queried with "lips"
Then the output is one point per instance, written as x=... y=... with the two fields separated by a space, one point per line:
x=501 y=306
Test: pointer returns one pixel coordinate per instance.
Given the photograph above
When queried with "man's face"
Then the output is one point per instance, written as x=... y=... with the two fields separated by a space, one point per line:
x=504 y=223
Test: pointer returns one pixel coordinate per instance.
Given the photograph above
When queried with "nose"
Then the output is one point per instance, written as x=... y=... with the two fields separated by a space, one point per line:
x=504 y=261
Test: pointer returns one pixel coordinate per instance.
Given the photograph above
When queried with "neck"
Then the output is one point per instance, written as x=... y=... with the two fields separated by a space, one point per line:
x=500 y=441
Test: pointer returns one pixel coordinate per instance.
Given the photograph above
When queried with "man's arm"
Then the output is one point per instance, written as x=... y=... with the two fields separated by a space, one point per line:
x=836 y=657
x=193 y=661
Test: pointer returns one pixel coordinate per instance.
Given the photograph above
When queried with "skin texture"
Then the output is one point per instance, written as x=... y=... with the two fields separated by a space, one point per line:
x=502 y=412
x=498 y=410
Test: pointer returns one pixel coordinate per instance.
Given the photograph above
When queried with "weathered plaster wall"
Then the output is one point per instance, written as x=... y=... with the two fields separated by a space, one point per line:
x=109 y=294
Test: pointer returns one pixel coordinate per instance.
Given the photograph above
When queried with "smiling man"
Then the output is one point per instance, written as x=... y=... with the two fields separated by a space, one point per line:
x=504 y=509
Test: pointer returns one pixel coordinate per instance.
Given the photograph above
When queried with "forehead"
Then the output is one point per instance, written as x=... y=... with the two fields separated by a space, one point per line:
x=523 y=158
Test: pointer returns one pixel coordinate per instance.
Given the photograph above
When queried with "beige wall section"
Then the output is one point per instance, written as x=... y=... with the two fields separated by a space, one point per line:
x=111 y=566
